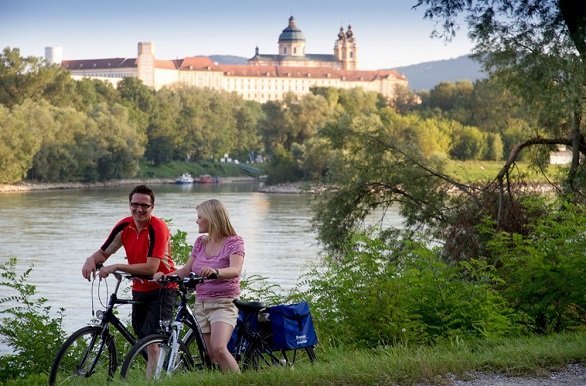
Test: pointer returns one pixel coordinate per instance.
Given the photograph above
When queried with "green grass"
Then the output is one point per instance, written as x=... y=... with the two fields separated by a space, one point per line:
x=176 y=168
x=483 y=171
x=403 y=365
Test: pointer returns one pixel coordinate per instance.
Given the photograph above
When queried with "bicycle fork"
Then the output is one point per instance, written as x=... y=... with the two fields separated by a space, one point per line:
x=173 y=346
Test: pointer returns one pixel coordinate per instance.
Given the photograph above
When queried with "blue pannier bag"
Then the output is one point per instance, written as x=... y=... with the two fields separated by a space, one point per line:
x=292 y=326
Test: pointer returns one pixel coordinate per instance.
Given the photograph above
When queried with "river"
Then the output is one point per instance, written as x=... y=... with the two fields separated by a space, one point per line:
x=56 y=230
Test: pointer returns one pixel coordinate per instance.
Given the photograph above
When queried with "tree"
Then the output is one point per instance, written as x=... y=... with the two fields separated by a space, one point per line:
x=31 y=78
x=20 y=138
x=538 y=49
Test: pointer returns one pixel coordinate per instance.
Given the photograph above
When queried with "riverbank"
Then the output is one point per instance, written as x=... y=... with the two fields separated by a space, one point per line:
x=34 y=186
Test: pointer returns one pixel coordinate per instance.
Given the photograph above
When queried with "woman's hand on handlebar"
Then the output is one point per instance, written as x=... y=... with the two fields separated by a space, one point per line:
x=158 y=276
x=209 y=272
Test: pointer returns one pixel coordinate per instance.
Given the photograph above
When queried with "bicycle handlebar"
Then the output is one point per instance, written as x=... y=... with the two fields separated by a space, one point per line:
x=189 y=281
x=119 y=275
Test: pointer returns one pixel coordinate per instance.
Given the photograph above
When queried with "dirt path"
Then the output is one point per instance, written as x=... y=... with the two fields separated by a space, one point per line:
x=571 y=375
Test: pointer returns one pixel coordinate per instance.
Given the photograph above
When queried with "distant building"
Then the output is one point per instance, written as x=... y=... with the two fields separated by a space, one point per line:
x=292 y=51
x=264 y=78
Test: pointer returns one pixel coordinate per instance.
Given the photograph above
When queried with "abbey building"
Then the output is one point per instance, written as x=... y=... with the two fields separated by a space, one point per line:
x=265 y=77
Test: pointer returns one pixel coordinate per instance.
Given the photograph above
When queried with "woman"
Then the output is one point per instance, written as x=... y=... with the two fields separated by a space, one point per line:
x=219 y=254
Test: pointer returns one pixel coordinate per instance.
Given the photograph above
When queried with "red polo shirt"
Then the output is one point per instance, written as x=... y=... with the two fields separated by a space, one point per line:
x=152 y=241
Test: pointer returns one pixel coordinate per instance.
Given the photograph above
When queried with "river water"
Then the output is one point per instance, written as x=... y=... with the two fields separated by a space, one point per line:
x=56 y=230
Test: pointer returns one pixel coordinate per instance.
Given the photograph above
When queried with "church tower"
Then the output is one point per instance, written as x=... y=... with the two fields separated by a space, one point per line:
x=291 y=41
x=345 y=49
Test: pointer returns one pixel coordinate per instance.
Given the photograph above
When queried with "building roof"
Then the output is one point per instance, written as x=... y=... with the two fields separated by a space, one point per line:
x=291 y=33
x=307 y=72
x=307 y=57
x=204 y=63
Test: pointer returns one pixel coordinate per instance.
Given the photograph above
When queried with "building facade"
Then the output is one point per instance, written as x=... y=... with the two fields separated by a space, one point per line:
x=263 y=78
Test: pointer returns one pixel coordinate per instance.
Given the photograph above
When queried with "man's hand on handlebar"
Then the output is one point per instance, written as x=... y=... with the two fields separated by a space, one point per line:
x=106 y=270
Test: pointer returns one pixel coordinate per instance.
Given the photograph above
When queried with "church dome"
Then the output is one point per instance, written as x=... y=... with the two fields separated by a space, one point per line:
x=291 y=33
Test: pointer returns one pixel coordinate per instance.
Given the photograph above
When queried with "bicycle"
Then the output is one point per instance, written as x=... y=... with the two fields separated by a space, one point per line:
x=251 y=343
x=176 y=353
x=254 y=347
x=92 y=349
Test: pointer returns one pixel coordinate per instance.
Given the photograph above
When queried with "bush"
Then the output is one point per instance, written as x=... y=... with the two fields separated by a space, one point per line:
x=543 y=270
x=388 y=292
x=26 y=327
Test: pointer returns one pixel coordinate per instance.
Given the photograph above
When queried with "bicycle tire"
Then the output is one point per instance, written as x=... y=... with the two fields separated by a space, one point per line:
x=258 y=355
x=134 y=365
x=196 y=349
x=82 y=355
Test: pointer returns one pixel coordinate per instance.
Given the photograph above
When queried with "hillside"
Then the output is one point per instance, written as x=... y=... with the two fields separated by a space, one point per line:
x=421 y=76
x=228 y=59
x=425 y=76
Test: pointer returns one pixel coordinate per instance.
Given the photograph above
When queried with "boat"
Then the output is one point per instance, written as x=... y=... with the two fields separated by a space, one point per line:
x=185 y=178
x=207 y=179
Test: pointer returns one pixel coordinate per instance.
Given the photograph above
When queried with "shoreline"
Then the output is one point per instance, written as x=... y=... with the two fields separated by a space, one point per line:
x=24 y=187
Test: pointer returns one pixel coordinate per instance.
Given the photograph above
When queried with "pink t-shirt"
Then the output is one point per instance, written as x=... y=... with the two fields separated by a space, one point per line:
x=223 y=288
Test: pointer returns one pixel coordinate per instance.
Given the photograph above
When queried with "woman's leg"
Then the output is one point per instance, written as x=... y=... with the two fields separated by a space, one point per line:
x=218 y=347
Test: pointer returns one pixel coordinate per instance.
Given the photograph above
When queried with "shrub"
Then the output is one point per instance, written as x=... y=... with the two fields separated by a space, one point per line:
x=388 y=292
x=543 y=270
x=26 y=327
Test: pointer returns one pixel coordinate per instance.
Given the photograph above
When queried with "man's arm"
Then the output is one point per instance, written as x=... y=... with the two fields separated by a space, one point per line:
x=89 y=267
x=148 y=269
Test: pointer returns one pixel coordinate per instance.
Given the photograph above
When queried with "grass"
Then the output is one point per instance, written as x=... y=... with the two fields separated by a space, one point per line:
x=399 y=365
x=176 y=168
x=483 y=171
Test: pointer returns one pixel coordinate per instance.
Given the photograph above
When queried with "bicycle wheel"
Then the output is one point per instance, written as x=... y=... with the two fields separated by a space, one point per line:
x=298 y=356
x=258 y=356
x=84 y=354
x=135 y=363
x=196 y=349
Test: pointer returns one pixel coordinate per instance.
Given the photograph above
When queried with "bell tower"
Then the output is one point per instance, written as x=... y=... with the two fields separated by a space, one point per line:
x=345 y=49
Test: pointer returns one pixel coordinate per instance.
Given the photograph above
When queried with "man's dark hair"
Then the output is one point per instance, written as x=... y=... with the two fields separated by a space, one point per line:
x=142 y=189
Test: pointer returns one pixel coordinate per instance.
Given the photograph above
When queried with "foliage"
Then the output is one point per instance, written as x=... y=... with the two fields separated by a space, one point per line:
x=19 y=142
x=407 y=294
x=283 y=168
x=31 y=78
x=537 y=50
x=543 y=270
x=180 y=248
x=26 y=326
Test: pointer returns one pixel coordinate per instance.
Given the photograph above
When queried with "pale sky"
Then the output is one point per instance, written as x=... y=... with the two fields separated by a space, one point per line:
x=389 y=33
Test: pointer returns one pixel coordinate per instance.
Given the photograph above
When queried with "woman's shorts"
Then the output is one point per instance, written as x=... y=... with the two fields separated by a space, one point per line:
x=211 y=311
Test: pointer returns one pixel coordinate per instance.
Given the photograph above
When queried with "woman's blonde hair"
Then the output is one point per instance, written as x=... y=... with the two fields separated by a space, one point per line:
x=217 y=216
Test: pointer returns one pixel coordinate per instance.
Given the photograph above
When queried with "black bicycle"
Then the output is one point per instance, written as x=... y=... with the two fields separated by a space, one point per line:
x=91 y=350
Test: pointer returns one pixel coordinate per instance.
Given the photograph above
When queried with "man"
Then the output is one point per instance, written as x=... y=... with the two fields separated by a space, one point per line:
x=145 y=239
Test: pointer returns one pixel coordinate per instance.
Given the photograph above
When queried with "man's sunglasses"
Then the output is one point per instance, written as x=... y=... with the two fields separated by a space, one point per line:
x=136 y=205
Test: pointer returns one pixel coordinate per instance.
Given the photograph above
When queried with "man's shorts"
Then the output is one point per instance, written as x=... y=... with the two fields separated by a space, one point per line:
x=157 y=305
x=215 y=310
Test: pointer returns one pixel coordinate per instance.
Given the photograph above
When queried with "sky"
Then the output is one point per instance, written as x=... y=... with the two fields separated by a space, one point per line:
x=389 y=32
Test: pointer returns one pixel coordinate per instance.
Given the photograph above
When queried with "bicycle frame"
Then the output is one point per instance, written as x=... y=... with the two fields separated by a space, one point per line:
x=184 y=318
x=107 y=318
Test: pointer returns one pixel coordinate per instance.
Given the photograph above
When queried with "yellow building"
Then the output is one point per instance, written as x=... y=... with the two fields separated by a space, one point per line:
x=263 y=78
